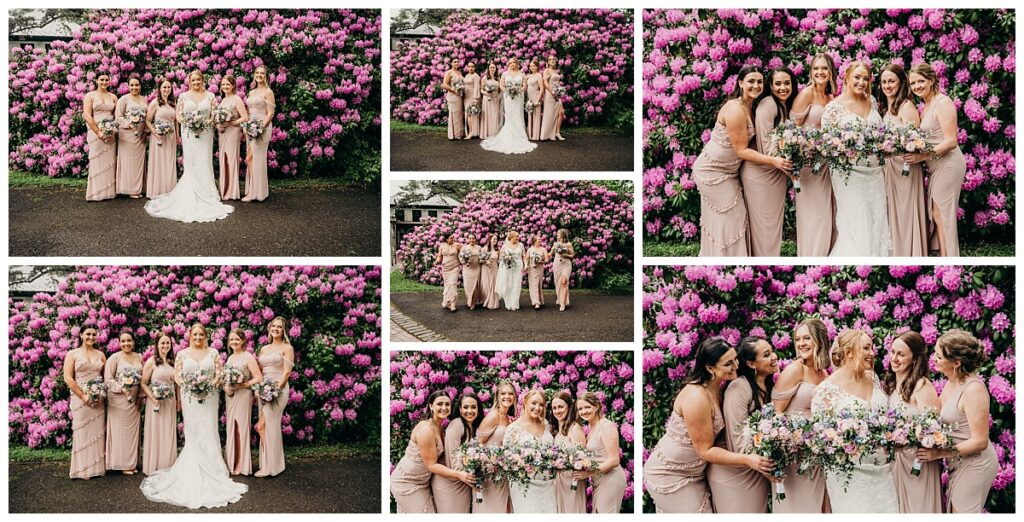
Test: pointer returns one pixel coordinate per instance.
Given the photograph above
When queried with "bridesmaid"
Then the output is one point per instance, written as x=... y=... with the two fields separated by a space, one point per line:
x=238 y=405
x=723 y=213
x=471 y=272
x=535 y=94
x=551 y=122
x=492 y=433
x=98 y=105
x=946 y=165
x=904 y=190
x=448 y=258
x=260 y=105
x=563 y=253
x=162 y=169
x=736 y=489
x=965 y=403
x=131 y=145
x=452 y=495
x=815 y=211
x=88 y=418
x=764 y=188
x=906 y=382
x=472 y=99
x=453 y=94
x=160 y=433
x=563 y=422
x=123 y=418
x=489 y=275
x=674 y=473
x=792 y=394
x=490 y=110
x=229 y=139
x=603 y=439
x=536 y=256
x=276 y=362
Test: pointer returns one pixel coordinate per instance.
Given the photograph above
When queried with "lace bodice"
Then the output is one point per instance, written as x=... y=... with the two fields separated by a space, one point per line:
x=829 y=397
x=190 y=105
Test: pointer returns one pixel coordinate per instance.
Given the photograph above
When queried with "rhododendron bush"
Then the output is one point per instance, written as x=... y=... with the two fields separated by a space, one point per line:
x=415 y=375
x=323 y=66
x=594 y=49
x=691 y=59
x=599 y=221
x=333 y=316
x=684 y=305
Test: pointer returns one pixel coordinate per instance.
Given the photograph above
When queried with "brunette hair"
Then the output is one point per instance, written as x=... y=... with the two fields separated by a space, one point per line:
x=430 y=400
x=708 y=353
x=592 y=399
x=160 y=359
x=231 y=81
x=746 y=352
x=918 y=367
x=925 y=69
x=784 y=107
x=562 y=235
x=570 y=415
x=487 y=75
x=470 y=429
x=902 y=92
x=747 y=70
x=159 y=97
x=241 y=335
x=962 y=347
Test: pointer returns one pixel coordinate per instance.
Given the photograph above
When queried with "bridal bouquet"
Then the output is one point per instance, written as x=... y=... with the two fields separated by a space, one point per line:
x=527 y=459
x=473 y=110
x=843 y=145
x=508 y=259
x=796 y=144
x=926 y=430
x=838 y=441
x=234 y=375
x=221 y=115
x=162 y=128
x=907 y=139
x=108 y=126
x=134 y=116
x=490 y=86
x=478 y=459
x=252 y=128
x=459 y=86
x=94 y=389
x=575 y=458
x=267 y=391
x=778 y=437
x=160 y=392
x=198 y=384
x=514 y=87
x=129 y=378
x=197 y=121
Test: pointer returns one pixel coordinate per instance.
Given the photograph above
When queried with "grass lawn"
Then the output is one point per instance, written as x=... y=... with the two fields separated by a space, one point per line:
x=401 y=126
x=20 y=178
x=21 y=453
x=667 y=249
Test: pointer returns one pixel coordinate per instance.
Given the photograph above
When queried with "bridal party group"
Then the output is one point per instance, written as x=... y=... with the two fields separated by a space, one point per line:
x=878 y=204
x=857 y=423
x=109 y=394
x=494 y=461
x=492 y=273
x=133 y=143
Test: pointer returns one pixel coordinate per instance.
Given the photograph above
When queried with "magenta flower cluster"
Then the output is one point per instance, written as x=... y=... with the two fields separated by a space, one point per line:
x=324 y=68
x=682 y=306
x=594 y=48
x=415 y=375
x=691 y=59
x=599 y=221
x=334 y=321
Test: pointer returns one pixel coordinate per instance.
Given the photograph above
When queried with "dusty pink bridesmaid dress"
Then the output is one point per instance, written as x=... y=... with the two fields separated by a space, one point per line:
x=160 y=432
x=471 y=276
x=567 y=500
x=229 y=142
x=490 y=110
x=257 y=185
x=737 y=489
x=102 y=155
x=562 y=269
x=534 y=92
x=723 y=214
x=489 y=282
x=123 y=416
x=970 y=478
x=131 y=151
x=674 y=473
x=904 y=194
x=609 y=487
x=552 y=105
x=471 y=98
x=450 y=495
x=450 y=273
x=410 y=481
x=535 y=275
x=238 y=420
x=946 y=178
x=88 y=424
x=496 y=495
x=456 y=117
x=162 y=170
x=815 y=207
x=272 y=443
x=764 y=188
x=804 y=493
x=921 y=493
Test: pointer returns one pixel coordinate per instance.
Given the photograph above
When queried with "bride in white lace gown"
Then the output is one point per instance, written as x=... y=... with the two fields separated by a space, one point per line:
x=512 y=138
x=862 y=216
x=509 y=283
x=871 y=488
x=195 y=198
x=539 y=496
x=199 y=478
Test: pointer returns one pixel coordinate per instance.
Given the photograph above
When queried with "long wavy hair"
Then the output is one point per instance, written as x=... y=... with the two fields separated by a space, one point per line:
x=708 y=353
x=746 y=352
x=902 y=92
x=918 y=367
x=784 y=107
x=833 y=86
x=571 y=417
x=471 y=427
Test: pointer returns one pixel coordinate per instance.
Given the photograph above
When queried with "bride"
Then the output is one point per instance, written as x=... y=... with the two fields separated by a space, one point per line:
x=509 y=284
x=862 y=218
x=854 y=386
x=195 y=198
x=539 y=496
x=199 y=477
x=512 y=139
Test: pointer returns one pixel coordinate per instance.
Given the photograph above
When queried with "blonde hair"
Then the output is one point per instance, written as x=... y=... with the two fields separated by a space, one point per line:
x=497 y=392
x=819 y=334
x=853 y=66
x=960 y=346
x=832 y=72
x=592 y=399
x=284 y=329
x=846 y=343
x=926 y=70
x=206 y=341
x=202 y=77
x=266 y=77
x=543 y=398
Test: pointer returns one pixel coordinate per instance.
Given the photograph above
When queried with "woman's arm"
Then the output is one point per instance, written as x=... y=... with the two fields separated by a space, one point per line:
x=697 y=412
x=735 y=119
x=924 y=396
x=254 y=371
x=119 y=110
x=271 y=107
x=423 y=436
x=489 y=424
x=908 y=113
x=151 y=116
x=800 y=105
x=69 y=375
x=945 y=113
x=788 y=379
x=110 y=374
x=178 y=369
x=289 y=363
x=243 y=112
x=446 y=84
x=609 y=437
x=87 y=114
x=147 y=374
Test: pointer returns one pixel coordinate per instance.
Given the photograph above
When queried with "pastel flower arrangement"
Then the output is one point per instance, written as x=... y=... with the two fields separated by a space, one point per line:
x=160 y=392
x=197 y=385
x=267 y=391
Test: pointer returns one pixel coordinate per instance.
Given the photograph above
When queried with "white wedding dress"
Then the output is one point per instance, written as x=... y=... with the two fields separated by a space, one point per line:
x=539 y=497
x=862 y=216
x=509 y=284
x=199 y=478
x=871 y=488
x=195 y=197
x=512 y=138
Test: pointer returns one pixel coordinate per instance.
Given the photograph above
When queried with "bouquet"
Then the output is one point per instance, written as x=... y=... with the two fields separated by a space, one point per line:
x=197 y=121
x=532 y=105
x=926 y=430
x=558 y=91
x=888 y=430
x=561 y=249
x=94 y=389
x=794 y=143
x=464 y=256
x=527 y=459
x=221 y=115
x=198 y=384
x=129 y=378
x=459 y=86
x=775 y=436
x=252 y=128
x=508 y=259
x=575 y=458
x=514 y=87
x=473 y=110
x=160 y=392
x=536 y=259
x=162 y=128
x=477 y=458
x=908 y=139
x=838 y=441
x=490 y=86
x=108 y=126
x=134 y=116
x=267 y=391
x=233 y=375
x=485 y=256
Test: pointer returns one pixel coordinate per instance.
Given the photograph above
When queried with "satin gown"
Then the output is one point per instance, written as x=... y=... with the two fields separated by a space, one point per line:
x=815 y=206
x=904 y=195
x=450 y=495
x=921 y=493
x=450 y=270
x=162 y=169
x=131 y=149
x=945 y=180
x=102 y=155
x=160 y=430
x=238 y=419
x=674 y=473
x=496 y=494
x=490 y=110
x=535 y=275
x=123 y=417
x=471 y=276
x=764 y=187
x=804 y=493
x=471 y=98
x=552 y=105
x=533 y=93
x=273 y=366
x=723 y=213
x=567 y=500
x=229 y=143
x=489 y=281
x=257 y=184
x=410 y=481
x=88 y=424
x=456 y=115
x=610 y=486
x=737 y=489
x=970 y=478
x=562 y=269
